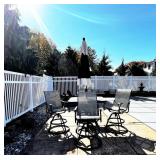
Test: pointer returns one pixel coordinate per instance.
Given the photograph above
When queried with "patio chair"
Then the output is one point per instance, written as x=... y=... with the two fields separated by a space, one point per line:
x=120 y=105
x=86 y=116
x=55 y=107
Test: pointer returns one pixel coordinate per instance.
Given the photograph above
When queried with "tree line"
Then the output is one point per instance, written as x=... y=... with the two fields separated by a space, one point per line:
x=31 y=52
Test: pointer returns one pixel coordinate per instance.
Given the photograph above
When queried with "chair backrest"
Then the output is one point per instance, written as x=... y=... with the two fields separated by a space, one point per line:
x=123 y=96
x=87 y=104
x=53 y=98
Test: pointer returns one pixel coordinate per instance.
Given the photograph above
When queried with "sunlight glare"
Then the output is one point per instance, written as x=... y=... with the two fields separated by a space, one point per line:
x=27 y=8
x=32 y=10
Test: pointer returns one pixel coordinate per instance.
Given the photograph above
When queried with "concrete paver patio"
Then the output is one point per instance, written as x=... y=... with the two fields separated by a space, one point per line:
x=143 y=109
x=140 y=139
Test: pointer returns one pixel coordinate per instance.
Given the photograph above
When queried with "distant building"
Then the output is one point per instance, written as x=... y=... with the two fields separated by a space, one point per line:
x=148 y=67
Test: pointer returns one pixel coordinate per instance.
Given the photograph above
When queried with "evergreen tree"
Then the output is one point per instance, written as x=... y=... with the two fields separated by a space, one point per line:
x=92 y=60
x=52 y=63
x=68 y=64
x=121 y=70
x=104 y=66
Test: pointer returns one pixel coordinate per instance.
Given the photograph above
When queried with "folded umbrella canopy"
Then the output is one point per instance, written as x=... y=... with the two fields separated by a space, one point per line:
x=84 y=69
x=84 y=62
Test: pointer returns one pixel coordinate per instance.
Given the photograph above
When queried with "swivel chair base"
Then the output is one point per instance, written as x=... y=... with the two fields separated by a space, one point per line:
x=58 y=125
x=115 y=124
x=87 y=130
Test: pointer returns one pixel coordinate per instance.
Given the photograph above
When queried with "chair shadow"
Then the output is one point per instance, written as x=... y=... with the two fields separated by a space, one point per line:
x=129 y=144
x=47 y=144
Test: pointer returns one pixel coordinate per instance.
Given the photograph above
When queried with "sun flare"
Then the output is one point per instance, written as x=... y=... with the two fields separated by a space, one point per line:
x=27 y=8
x=32 y=10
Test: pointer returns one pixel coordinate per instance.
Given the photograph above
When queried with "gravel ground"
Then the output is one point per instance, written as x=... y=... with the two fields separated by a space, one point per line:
x=20 y=132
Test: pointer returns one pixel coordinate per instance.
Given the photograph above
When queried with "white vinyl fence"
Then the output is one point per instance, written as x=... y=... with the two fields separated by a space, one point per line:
x=124 y=82
x=104 y=83
x=22 y=93
x=62 y=84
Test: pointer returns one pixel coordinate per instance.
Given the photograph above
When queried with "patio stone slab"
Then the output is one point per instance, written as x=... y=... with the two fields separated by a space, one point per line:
x=142 y=108
x=140 y=140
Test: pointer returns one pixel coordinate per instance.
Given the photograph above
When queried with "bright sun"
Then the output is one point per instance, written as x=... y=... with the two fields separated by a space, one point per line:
x=27 y=8
x=32 y=11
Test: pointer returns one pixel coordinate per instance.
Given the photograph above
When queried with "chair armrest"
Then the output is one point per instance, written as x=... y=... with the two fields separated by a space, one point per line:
x=75 y=111
x=100 y=114
x=64 y=103
x=118 y=104
x=48 y=109
x=127 y=110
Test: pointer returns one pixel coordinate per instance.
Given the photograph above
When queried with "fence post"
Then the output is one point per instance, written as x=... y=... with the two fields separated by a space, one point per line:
x=149 y=83
x=131 y=82
x=113 y=81
x=31 y=94
x=95 y=79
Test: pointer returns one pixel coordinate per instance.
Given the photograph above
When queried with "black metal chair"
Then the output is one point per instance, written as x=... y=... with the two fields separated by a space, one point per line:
x=55 y=107
x=120 y=105
x=87 y=115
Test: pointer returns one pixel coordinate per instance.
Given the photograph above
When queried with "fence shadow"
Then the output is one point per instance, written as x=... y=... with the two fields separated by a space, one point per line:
x=47 y=144
x=143 y=99
x=129 y=144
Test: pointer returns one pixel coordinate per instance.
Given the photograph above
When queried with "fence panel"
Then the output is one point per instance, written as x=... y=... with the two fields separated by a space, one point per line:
x=23 y=92
x=62 y=84
x=122 y=82
x=146 y=80
x=132 y=82
x=104 y=83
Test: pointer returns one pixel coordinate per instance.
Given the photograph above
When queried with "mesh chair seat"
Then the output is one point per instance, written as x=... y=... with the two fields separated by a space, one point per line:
x=117 y=109
x=87 y=117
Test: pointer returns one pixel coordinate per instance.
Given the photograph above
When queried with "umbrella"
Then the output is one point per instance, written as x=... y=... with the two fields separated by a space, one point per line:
x=84 y=69
x=84 y=47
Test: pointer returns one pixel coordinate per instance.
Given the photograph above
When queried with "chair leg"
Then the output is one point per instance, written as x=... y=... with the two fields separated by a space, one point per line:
x=87 y=130
x=99 y=130
x=115 y=124
x=58 y=125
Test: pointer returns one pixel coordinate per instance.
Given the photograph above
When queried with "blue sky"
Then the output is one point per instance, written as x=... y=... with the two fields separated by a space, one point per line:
x=122 y=31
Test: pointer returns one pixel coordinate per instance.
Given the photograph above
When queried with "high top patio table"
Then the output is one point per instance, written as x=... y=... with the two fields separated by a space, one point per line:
x=101 y=101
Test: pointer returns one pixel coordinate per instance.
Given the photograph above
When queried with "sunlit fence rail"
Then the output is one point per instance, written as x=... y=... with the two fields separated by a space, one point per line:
x=22 y=93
